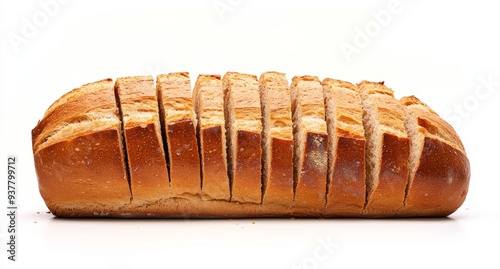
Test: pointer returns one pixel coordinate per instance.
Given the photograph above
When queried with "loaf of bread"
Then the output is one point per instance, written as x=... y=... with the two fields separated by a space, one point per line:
x=246 y=146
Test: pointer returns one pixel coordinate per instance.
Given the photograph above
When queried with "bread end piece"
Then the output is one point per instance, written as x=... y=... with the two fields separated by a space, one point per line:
x=439 y=168
x=78 y=153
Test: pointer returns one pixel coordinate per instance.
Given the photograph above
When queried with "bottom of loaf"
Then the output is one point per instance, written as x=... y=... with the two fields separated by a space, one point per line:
x=196 y=207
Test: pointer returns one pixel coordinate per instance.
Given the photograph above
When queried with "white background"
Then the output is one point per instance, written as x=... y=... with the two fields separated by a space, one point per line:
x=444 y=53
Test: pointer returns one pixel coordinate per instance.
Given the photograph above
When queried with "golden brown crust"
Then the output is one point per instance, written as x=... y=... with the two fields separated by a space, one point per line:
x=144 y=147
x=215 y=181
x=187 y=207
x=280 y=186
x=246 y=185
x=441 y=182
x=346 y=192
x=393 y=177
x=311 y=187
x=183 y=158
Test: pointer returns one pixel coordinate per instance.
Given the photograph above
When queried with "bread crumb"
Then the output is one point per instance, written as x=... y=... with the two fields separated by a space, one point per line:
x=253 y=222
x=38 y=212
x=36 y=221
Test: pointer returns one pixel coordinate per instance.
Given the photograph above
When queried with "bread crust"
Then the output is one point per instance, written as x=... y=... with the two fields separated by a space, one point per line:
x=346 y=192
x=183 y=157
x=246 y=185
x=280 y=186
x=215 y=181
x=311 y=187
x=441 y=181
x=389 y=194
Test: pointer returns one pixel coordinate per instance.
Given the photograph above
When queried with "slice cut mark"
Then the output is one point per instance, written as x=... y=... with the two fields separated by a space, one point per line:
x=243 y=135
x=387 y=149
x=179 y=121
x=209 y=107
x=277 y=139
x=346 y=189
x=143 y=141
x=439 y=170
x=310 y=144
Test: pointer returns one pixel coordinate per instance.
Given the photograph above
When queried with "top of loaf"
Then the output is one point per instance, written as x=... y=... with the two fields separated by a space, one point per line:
x=174 y=90
x=246 y=100
x=84 y=110
x=431 y=124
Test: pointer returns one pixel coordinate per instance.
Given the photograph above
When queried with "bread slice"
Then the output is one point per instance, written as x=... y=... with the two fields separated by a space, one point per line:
x=310 y=145
x=439 y=170
x=277 y=139
x=388 y=149
x=78 y=153
x=346 y=149
x=138 y=105
x=209 y=106
x=179 y=121
x=243 y=134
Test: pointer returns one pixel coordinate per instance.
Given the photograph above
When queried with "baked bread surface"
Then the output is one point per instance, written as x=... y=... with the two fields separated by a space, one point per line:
x=241 y=146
